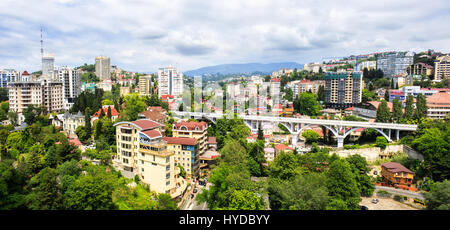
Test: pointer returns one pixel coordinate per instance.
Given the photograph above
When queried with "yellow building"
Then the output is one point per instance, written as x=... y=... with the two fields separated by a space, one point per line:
x=186 y=153
x=142 y=151
x=442 y=68
x=124 y=90
x=145 y=85
x=396 y=174
x=197 y=130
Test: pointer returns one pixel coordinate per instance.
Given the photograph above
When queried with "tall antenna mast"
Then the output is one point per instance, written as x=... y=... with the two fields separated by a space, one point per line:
x=42 y=45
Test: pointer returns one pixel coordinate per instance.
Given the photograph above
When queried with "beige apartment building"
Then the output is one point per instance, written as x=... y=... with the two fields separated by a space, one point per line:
x=442 y=68
x=192 y=129
x=145 y=85
x=142 y=151
x=39 y=92
x=186 y=154
x=103 y=67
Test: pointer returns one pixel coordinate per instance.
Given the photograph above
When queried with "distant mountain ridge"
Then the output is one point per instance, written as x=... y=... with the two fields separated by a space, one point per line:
x=247 y=68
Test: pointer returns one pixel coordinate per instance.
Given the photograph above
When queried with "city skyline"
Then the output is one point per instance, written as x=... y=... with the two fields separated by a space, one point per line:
x=141 y=36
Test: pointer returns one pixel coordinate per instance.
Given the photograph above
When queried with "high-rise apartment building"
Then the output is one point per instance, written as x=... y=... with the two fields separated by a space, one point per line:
x=343 y=89
x=7 y=76
x=394 y=63
x=71 y=79
x=145 y=85
x=48 y=65
x=41 y=92
x=442 y=68
x=170 y=81
x=103 y=67
x=142 y=151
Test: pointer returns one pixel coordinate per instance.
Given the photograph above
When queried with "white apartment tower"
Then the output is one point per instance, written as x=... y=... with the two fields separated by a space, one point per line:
x=71 y=79
x=48 y=65
x=103 y=67
x=170 y=81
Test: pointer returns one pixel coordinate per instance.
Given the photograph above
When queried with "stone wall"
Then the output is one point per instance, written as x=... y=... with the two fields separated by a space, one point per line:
x=372 y=154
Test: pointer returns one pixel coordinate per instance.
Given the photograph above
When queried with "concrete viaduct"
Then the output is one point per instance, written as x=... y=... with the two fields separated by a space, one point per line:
x=340 y=129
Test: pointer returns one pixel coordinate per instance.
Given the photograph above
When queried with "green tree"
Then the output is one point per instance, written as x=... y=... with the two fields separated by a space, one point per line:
x=397 y=112
x=310 y=136
x=383 y=113
x=134 y=105
x=244 y=200
x=360 y=169
x=342 y=184
x=409 y=107
x=13 y=117
x=439 y=197
x=46 y=191
x=307 y=104
x=421 y=107
x=381 y=142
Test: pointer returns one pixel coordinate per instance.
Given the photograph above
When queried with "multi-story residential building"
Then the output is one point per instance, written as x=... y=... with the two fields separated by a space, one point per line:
x=103 y=67
x=124 y=90
x=48 y=65
x=442 y=68
x=186 y=152
x=302 y=86
x=370 y=65
x=420 y=69
x=282 y=72
x=7 y=76
x=145 y=85
x=438 y=105
x=396 y=174
x=403 y=92
x=71 y=80
x=394 y=63
x=142 y=151
x=106 y=85
x=71 y=122
x=170 y=81
x=314 y=67
x=343 y=89
x=197 y=130
x=41 y=92
x=275 y=85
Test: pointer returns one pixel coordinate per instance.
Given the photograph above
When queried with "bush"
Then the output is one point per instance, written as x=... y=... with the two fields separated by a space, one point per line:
x=381 y=142
x=398 y=198
x=383 y=193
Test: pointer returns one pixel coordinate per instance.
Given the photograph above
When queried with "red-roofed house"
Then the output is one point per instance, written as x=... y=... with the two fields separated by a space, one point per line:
x=396 y=174
x=186 y=152
x=154 y=113
x=282 y=147
x=438 y=105
x=114 y=113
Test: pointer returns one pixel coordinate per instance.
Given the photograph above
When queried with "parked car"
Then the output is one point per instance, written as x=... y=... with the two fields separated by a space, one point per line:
x=375 y=200
x=192 y=196
x=195 y=190
x=364 y=208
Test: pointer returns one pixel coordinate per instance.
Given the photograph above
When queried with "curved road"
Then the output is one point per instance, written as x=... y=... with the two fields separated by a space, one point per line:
x=400 y=192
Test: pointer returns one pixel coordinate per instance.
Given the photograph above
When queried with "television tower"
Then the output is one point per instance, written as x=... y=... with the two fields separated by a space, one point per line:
x=42 y=45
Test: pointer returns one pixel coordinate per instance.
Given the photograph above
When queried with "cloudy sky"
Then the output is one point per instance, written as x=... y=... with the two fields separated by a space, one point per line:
x=144 y=35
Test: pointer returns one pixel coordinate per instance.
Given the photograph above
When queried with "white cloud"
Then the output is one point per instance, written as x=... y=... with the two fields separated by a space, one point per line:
x=144 y=35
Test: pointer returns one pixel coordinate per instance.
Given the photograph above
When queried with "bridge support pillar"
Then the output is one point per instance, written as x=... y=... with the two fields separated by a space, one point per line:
x=397 y=134
x=294 y=139
x=340 y=141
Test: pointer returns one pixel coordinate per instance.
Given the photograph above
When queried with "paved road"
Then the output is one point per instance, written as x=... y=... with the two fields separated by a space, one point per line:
x=199 y=206
x=400 y=192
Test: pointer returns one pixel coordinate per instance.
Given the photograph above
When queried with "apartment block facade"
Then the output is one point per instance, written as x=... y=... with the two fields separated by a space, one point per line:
x=39 y=92
x=71 y=79
x=442 y=68
x=103 y=67
x=420 y=69
x=343 y=89
x=145 y=85
x=197 y=130
x=186 y=152
x=142 y=151
x=7 y=76
x=170 y=81
x=394 y=63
